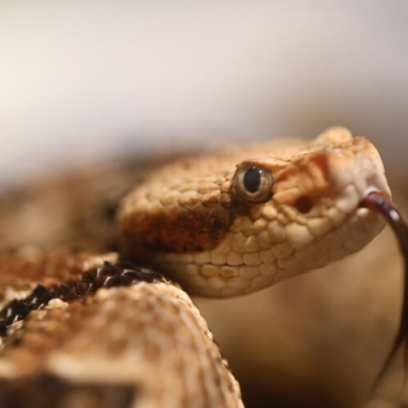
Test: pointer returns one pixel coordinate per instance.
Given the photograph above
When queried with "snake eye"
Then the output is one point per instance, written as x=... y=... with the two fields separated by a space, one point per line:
x=253 y=184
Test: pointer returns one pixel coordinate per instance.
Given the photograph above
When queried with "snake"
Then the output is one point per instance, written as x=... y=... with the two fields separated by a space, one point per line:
x=81 y=328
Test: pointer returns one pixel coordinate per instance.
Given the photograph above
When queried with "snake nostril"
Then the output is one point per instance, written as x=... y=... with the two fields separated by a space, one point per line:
x=304 y=204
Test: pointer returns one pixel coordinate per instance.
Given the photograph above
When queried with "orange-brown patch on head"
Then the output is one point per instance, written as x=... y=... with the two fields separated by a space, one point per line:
x=307 y=176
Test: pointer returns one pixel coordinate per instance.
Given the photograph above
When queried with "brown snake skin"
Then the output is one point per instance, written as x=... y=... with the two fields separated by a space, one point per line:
x=86 y=330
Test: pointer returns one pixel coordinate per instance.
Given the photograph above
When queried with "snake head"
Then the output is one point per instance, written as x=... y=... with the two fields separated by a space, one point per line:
x=239 y=222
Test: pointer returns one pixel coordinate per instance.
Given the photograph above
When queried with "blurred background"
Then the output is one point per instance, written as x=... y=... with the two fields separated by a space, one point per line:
x=80 y=80
x=85 y=82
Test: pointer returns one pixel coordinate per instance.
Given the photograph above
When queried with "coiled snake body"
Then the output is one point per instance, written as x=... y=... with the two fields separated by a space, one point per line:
x=86 y=330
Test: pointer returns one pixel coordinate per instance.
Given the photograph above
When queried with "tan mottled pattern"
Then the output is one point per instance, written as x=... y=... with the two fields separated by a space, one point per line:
x=148 y=337
x=186 y=219
x=21 y=273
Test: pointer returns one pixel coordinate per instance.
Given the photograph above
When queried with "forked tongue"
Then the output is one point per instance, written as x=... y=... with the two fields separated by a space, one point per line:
x=377 y=202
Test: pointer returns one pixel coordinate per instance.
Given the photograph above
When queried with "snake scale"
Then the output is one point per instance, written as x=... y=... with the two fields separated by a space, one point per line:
x=86 y=328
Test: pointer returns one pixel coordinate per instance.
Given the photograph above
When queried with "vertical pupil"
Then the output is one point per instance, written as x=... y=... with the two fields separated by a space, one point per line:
x=252 y=179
